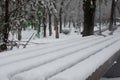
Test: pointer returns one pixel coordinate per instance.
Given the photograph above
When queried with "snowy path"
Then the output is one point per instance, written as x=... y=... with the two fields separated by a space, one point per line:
x=52 y=61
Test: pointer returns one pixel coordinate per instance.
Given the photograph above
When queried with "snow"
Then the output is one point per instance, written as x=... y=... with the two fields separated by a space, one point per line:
x=74 y=58
x=41 y=50
x=57 y=66
x=48 y=41
x=8 y=69
x=84 y=69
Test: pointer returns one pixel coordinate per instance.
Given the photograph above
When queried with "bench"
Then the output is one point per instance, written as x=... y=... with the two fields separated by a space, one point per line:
x=62 y=61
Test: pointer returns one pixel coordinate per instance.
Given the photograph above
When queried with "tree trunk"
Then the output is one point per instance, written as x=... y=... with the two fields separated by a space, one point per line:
x=70 y=23
x=65 y=21
x=112 y=15
x=89 y=7
x=50 y=24
x=56 y=27
x=44 y=22
x=19 y=33
x=6 y=28
x=60 y=16
x=100 y=30
x=20 y=26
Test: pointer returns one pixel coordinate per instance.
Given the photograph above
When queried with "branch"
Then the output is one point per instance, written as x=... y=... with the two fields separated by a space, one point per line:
x=17 y=8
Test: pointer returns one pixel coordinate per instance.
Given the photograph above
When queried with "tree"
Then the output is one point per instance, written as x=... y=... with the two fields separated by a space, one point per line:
x=6 y=27
x=12 y=17
x=60 y=15
x=56 y=18
x=49 y=7
x=89 y=7
x=79 y=17
x=50 y=24
x=112 y=16
x=44 y=21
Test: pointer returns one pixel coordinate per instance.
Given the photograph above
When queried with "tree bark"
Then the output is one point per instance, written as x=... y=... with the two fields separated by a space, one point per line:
x=89 y=7
x=6 y=27
x=100 y=30
x=112 y=15
x=44 y=22
x=56 y=27
x=65 y=20
x=50 y=24
x=56 y=21
x=60 y=16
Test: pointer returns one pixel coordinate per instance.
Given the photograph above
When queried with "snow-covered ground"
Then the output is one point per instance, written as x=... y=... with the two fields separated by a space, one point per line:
x=69 y=58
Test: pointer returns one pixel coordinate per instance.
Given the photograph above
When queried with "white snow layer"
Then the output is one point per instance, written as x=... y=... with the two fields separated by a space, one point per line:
x=14 y=64
x=50 y=69
x=73 y=59
x=85 y=68
x=40 y=50
x=36 y=48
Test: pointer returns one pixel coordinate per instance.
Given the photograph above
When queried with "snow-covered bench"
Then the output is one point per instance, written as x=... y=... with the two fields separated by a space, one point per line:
x=75 y=60
x=10 y=57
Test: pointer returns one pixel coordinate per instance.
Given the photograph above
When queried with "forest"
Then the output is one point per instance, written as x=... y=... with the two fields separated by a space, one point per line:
x=55 y=17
